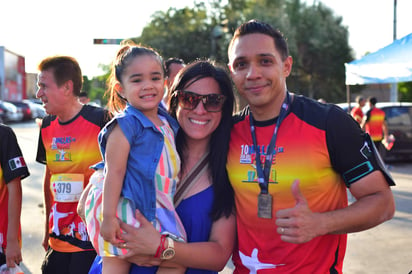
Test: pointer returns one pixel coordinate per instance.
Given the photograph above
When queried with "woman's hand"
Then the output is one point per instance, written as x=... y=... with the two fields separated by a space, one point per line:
x=141 y=242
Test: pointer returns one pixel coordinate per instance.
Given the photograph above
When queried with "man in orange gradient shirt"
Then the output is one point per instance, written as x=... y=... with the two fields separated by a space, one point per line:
x=68 y=146
x=290 y=162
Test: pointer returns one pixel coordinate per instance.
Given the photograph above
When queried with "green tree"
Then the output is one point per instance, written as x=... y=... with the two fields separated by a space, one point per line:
x=318 y=43
x=86 y=84
x=183 y=33
x=317 y=40
x=321 y=49
x=405 y=91
x=97 y=86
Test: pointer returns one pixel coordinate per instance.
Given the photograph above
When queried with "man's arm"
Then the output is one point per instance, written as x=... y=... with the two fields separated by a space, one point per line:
x=364 y=120
x=13 y=251
x=385 y=130
x=374 y=205
x=48 y=199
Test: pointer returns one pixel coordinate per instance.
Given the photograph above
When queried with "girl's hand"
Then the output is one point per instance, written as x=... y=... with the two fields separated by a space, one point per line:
x=110 y=231
x=143 y=260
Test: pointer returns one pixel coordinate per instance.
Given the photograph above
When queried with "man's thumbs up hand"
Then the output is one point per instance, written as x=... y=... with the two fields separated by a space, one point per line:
x=297 y=224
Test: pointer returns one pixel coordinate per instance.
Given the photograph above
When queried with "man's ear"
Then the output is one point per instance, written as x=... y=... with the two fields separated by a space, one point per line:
x=68 y=87
x=287 y=67
x=231 y=72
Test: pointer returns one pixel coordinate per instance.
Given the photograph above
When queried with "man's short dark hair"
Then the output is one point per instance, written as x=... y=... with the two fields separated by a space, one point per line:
x=256 y=26
x=372 y=100
x=83 y=94
x=172 y=60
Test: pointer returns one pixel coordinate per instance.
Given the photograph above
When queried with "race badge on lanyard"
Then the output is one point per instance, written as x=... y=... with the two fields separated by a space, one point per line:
x=265 y=199
x=66 y=187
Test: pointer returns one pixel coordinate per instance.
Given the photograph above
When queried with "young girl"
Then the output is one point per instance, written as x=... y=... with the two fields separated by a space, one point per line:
x=141 y=163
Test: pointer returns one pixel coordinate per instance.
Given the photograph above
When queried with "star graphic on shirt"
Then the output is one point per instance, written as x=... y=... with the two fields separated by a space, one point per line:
x=253 y=263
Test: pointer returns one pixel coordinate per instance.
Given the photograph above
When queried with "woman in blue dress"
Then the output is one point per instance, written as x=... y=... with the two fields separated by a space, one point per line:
x=202 y=101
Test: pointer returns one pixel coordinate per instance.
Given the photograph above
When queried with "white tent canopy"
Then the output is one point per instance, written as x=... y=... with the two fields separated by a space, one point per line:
x=390 y=64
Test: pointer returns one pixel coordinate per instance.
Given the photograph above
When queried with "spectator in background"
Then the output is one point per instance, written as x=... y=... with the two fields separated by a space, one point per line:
x=84 y=98
x=357 y=112
x=374 y=123
x=12 y=170
x=68 y=147
x=173 y=66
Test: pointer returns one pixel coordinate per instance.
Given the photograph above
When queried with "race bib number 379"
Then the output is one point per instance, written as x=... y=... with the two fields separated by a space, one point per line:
x=66 y=188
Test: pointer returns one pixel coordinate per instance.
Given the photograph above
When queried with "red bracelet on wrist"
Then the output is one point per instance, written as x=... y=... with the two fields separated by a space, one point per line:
x=161 y=247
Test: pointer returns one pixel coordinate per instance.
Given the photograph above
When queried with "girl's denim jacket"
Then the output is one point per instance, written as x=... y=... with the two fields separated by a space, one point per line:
x=146 y=145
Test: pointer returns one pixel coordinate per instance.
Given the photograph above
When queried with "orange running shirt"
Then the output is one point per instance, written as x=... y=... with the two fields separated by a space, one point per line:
x=375 y=118
x=69 y=149
x=357 y=114
x=312 y=146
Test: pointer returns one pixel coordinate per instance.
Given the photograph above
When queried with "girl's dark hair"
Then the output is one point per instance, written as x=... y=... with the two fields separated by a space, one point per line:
x=219 y=143
x=124 y=56
x=256 y=26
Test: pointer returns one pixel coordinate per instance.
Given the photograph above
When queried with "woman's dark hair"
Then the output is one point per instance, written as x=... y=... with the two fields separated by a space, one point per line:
x=219 y=141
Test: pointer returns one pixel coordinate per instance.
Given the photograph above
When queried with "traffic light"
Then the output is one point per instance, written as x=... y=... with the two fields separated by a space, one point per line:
x=107 y=41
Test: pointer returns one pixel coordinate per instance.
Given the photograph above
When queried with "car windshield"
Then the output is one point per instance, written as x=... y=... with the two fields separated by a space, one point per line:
x=398 y=115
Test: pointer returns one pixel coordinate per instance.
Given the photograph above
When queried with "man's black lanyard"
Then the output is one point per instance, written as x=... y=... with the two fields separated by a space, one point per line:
x=265 y=205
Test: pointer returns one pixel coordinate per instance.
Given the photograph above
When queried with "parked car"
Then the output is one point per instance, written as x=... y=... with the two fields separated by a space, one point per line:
x=1 y=115
x=35 y=100
x=11 y=112
x=399 y=121
x=37 y=109
x=25 y=109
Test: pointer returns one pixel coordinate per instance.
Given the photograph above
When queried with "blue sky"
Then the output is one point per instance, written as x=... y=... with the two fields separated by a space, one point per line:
x=37 y=29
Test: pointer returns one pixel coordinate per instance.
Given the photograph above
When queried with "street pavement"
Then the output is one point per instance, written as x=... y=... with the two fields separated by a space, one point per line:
x=387 y=248
x=384 y=249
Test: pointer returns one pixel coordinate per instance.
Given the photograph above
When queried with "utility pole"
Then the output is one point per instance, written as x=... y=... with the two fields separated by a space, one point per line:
x=394 y=19
x=394 y=86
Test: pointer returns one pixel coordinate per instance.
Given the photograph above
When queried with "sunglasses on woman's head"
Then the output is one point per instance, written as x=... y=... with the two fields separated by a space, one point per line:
x=211 y=102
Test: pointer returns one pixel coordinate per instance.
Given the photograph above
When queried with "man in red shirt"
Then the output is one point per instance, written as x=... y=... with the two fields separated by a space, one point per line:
x=357 y=112
x=374 y=123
